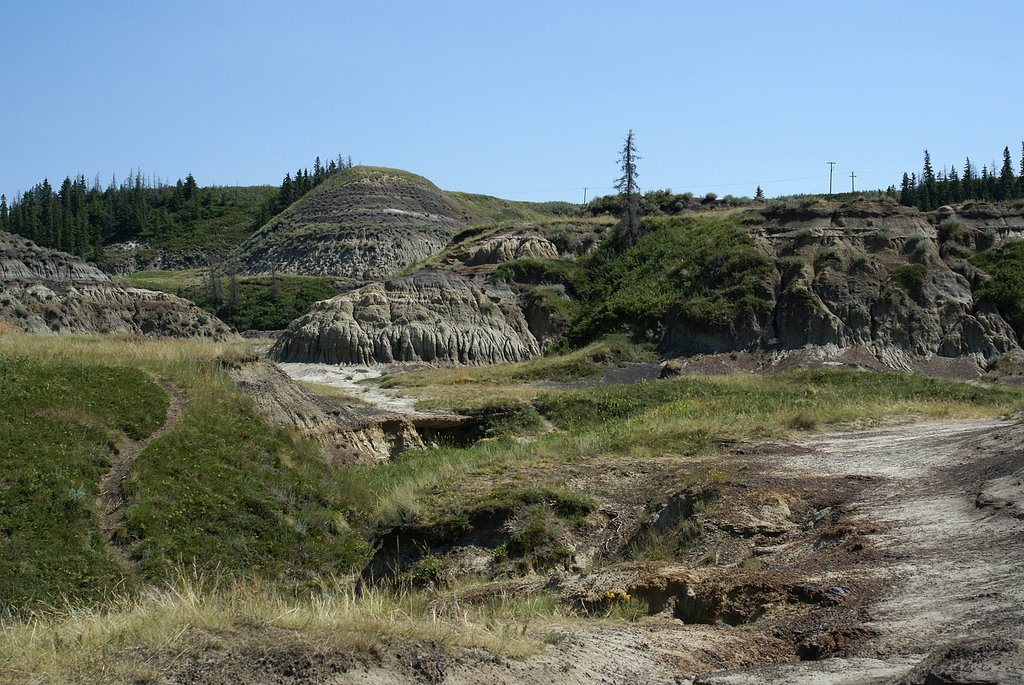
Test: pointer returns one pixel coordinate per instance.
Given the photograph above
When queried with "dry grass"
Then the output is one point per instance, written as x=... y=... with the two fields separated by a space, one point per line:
x=167 y=357
x=120 y=641
x=9 y=328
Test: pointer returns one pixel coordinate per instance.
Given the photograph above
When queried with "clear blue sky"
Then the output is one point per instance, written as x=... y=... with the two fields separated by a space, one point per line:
x=526 y=100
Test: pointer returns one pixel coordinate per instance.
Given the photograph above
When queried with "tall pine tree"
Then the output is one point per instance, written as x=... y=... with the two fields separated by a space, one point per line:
x=1007 y=181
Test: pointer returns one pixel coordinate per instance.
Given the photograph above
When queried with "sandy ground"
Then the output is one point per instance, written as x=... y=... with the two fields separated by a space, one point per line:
x=352 y=379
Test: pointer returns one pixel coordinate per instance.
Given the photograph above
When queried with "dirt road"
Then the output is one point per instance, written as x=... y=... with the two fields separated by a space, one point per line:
x=953 y=563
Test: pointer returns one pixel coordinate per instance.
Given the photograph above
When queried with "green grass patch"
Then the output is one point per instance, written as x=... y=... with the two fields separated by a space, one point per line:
x=174 y=282
x=1006 y=290
x=223 y=492
x=679 y=418
x=59 y=423
x=471 y=389
x=487 y=209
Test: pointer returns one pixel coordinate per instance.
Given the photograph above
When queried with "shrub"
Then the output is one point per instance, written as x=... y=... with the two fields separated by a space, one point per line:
x=910 y=277
x=951 y=229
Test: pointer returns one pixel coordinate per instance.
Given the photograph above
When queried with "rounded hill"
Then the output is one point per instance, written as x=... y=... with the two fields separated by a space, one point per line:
x=364 y=223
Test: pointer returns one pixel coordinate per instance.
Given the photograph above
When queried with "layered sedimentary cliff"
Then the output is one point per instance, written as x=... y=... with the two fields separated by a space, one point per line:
x=45 y=291
x=346 y=435
x=366 y=223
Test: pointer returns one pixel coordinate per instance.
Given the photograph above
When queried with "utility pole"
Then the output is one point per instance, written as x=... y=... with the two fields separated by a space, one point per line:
x=852 y=177
x=584 y=195
x=831 y=166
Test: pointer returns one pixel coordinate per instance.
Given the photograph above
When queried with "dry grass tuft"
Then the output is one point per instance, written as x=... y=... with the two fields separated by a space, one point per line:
x=120 y=640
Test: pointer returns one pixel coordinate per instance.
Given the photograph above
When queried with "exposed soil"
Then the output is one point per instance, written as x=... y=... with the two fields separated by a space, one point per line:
x=112 y=499
x=881 y=556
x=954 y=609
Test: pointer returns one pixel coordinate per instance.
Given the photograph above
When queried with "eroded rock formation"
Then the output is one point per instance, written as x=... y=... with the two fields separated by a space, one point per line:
x=430 y=316
x=43 y=291
x=886 y=279
x=347 y=435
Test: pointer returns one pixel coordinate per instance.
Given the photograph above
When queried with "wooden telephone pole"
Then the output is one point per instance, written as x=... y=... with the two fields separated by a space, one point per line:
x=831 y=166
x=853 y=176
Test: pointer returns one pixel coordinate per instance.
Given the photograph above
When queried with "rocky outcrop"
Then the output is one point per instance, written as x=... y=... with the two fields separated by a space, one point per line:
x=347 y=435
x=431 y=316
x=43 y=291
x=122 y=259
x=886 y=279
x=365 y=223
x=505 y=247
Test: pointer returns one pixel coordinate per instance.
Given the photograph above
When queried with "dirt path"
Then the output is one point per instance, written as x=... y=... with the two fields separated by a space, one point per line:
x=112 y=499
x=954 y=569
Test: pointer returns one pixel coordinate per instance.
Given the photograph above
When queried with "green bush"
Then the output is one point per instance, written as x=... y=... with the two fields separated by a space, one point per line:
x=910 y=277
x=261 y=302
x=1005 y=292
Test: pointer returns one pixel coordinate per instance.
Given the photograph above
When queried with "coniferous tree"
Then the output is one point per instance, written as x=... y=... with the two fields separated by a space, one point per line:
x=4 y=212
x=926 y=195
x=906 y=191
x=967 y=183
x=1007 y=180
x=953 y=194
x=1020 y=178
x=629 y=191
x=759 y=195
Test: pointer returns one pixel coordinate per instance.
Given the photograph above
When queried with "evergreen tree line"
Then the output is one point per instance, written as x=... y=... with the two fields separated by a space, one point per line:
x=81 y=217
x=292 y=188
x=931 y=190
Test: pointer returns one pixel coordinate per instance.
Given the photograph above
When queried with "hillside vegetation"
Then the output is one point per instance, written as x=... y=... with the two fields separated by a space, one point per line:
x=222 y=491
x=83 y=219
x=244 y=302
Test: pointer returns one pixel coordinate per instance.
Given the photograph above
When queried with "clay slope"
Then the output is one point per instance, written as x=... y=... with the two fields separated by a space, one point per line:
x=365 y=223
x=43 y=291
